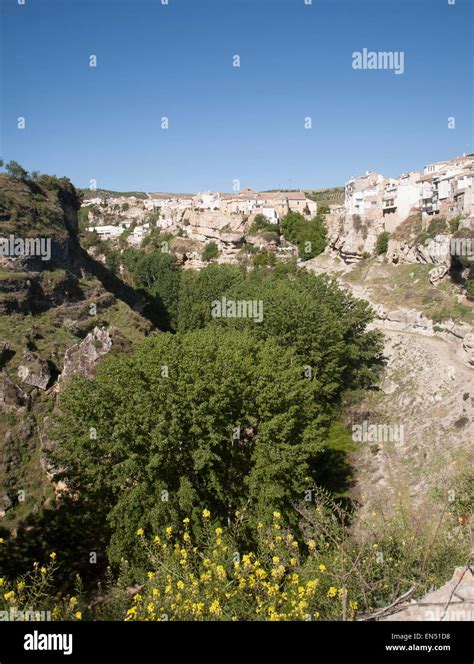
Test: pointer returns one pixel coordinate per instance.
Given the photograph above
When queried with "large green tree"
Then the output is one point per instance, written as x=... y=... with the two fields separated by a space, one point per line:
x=213 y=418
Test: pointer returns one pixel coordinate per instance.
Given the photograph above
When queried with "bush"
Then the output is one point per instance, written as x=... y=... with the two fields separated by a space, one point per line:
x=309 y=236
x=261 y=223
x=381 y=245
x=470 y=289
x=210 y=251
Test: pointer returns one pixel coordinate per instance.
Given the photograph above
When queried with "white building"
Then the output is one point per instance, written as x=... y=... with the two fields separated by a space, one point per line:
x=363 y=196
x=107 y=232
x=401 y=197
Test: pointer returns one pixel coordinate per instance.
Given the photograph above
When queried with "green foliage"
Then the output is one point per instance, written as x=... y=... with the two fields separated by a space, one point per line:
x=210 y=251
x=112 y=261
x=159 y=274
x=381 y=244
x=166 y=418
x=454 y=224
x=264 y=258
x=309 y=236
x=261 y=223
x=83 y=217
x=322 y=324
x=199 y=289
x=437 y=226
x=470 y=289
x=15 y=171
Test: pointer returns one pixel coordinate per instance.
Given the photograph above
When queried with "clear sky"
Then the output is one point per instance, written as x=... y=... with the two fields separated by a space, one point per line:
x=228 y=123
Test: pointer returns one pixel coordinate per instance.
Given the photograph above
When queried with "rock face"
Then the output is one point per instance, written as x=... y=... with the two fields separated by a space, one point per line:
x=82 y=358
x=468 y=345
x=436 y=251
x=453 y=601
x=437 y=273
x=34 y=371
x=350 y=237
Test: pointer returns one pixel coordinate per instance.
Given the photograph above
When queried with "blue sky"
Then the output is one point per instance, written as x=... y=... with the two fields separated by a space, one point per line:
x=228 y=123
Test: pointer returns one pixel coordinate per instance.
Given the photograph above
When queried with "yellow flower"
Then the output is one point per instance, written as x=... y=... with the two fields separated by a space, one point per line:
x=276 y=560
x=293 y=561
x=186 y=537
x=215 y=608
x=52 y=556
x=73 y=601
x=20 y=585
x=276 y=515
x=168 y=531
x=43 y=570
x=9 y=596
x=186 y=521
x=155 y=592
x=259 y=525
x=2 y=581
x=78 y=615
x=322 y=568
x=2 y=541
x=311 y=544
x=180 y=585
x=332 y=592
x=353 y=605
x=150 y=575
x=157 y=540
x=140 y=532
x=218 y=532
x=206 y=514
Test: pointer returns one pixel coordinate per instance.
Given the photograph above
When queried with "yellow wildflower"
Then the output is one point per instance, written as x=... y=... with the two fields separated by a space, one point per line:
x=276 y=515
x=186 y=521
x=43 y=570
x=206 y=514
x=73 y=601
x=52 y=555
x=140 y=532
x=332 y=592
x=311 y=545
x=322 y=568
x=215 y=608
x=20 y=585
x=78 y=615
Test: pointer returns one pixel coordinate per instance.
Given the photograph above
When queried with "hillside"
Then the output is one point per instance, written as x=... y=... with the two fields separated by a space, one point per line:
x=58 y=317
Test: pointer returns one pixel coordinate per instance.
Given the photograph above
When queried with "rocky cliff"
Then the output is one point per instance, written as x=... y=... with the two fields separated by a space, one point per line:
x=61 y=312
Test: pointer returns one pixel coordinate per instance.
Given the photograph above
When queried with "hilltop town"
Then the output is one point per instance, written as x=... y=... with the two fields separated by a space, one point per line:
x=372 y=206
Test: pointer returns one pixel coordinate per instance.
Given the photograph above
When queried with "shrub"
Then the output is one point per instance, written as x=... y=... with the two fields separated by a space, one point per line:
x=210 y=251
x=470 y=289
x=381 y=244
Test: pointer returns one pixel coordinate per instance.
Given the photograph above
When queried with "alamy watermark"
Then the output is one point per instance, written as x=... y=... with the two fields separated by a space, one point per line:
x=12 y=246
x=225 y=308
x=455 y=246
x=13 y=615
x=378 y=433
x=365 y=59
